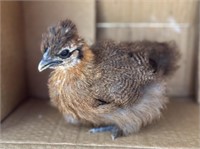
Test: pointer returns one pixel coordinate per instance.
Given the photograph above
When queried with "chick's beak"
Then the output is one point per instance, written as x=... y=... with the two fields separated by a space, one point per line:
x=47 y=62
x=44 y=64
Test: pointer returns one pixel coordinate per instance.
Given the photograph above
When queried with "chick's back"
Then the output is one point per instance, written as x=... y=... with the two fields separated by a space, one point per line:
x=127 y=68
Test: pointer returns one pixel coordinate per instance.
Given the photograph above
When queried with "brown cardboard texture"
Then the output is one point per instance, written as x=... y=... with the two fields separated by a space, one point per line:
x=13 y=64
x=38 y=125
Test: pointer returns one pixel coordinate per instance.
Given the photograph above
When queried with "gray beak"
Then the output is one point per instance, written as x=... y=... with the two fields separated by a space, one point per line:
x=47 y=62
x=44 y=64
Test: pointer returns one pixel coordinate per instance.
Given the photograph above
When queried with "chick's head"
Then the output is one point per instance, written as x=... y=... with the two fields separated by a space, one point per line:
x=61 y=46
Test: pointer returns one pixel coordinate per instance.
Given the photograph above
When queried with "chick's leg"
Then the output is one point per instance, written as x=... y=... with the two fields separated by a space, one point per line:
x=115 y=131
x=101 y=129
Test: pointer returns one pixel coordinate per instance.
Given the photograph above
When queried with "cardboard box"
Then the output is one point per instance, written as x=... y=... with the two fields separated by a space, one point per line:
x=27 y=119
x=37 y=125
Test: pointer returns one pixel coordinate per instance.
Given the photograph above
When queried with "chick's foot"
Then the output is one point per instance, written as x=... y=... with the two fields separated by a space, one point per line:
x=115 y=131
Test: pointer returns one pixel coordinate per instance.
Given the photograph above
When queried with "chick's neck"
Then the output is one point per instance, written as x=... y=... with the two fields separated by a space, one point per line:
x=81 y=70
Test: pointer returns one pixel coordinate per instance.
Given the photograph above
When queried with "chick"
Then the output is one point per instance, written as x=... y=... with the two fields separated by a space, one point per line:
x=116 y=87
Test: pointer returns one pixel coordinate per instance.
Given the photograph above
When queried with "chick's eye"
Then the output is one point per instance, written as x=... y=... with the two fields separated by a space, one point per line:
x=64 y=54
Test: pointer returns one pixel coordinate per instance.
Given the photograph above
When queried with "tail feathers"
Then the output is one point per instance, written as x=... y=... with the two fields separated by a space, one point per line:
x=164 y=58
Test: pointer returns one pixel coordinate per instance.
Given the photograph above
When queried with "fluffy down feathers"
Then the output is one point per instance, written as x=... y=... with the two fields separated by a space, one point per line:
x=118 y=84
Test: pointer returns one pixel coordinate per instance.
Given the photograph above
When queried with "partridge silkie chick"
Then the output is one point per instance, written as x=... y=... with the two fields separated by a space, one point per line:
x=116 y=87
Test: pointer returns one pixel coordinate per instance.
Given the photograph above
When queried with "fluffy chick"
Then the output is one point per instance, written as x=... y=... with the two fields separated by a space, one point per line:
x=116 y=87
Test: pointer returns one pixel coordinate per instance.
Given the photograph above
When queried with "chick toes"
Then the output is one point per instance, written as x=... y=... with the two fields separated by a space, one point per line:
x=115 y=131
x=101 y=129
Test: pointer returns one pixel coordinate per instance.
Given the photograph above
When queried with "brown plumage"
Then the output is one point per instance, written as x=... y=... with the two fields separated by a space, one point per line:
x=115 y=87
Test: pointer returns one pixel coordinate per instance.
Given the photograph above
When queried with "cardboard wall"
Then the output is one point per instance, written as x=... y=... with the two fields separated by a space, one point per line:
x=165 y=20
x=198 y=60
x=13 y=77
x=198 y=75
x=41 y=14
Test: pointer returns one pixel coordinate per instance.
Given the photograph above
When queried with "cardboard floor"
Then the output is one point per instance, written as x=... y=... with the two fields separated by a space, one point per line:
x=37 y=125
